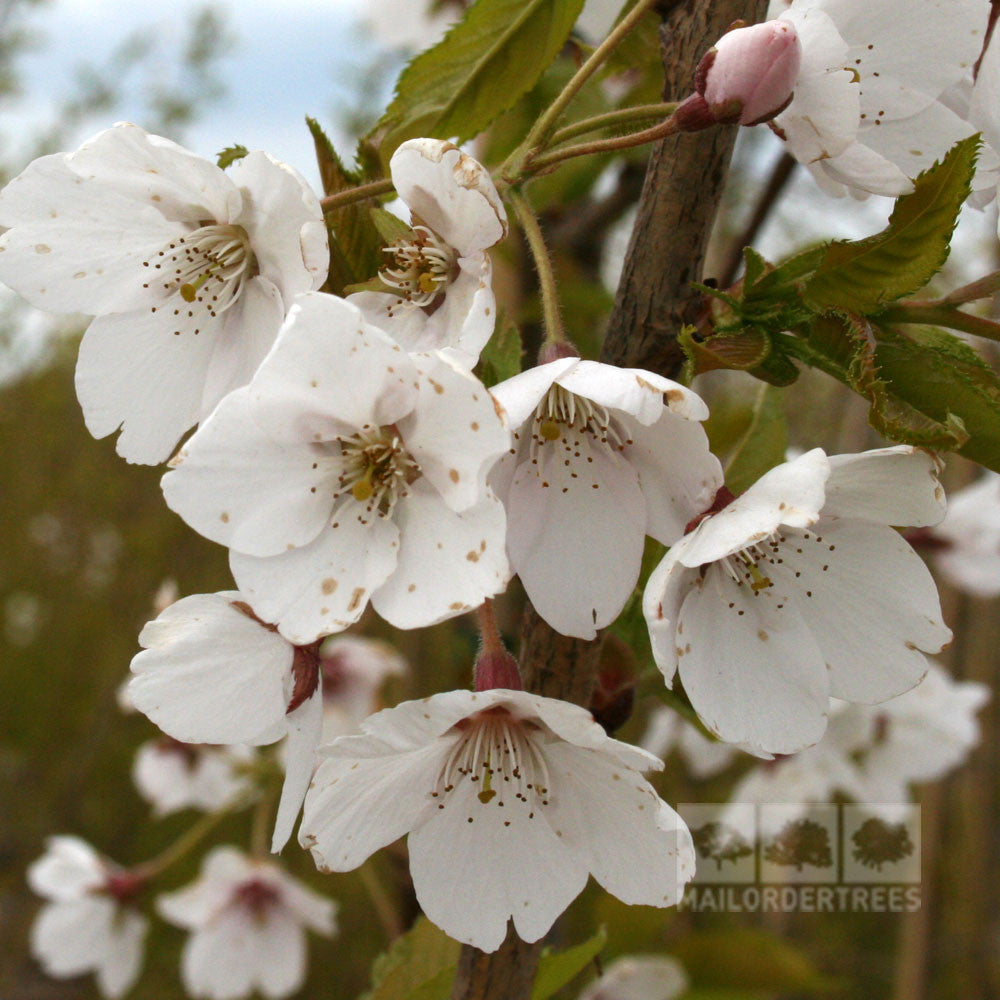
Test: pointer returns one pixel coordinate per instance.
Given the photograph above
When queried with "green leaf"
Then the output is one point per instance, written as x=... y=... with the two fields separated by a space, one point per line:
x=421 y=964
x=556 y=969
x=764 y=444
x=355 y=243
x=865 y=276
x=747 y=959
x=230 y=155
x=501 y=357
x=390 y=227
x=496 y=53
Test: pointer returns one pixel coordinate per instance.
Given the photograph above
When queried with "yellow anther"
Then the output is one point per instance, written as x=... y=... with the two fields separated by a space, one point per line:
x=488 y=791
x=760 y=582
x=549 y=430
x=363 y=488
x=427 y=282
x=190 y=291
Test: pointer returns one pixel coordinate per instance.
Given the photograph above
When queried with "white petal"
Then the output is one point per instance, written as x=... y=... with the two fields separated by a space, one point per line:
x=278 y=203
x=248 y=330
x=365 y=795
x=665 y=591
x=209 y=673
x=575 y=535
x=219 y=961
x=896 y=486
x=237 y=485
x=280 y=954
x=134 y=372
x=679 y=476
x=152 y=170
x=68 y=937
x=638 y=392
x=309 y=908
x=519 y=395
x=450 y=192
x=639 y=977
x=305 y=725
x=324 y=586
x=68 y=869
x=871 y=611
x=791 y=493
x=752 y=670
x=197 y=903
x=449 y=563
x=122 y=959
x=862 y=168
x=508 y=862
x=163 y=777
x=453 y=431
x=612 y=817
x=331 y=372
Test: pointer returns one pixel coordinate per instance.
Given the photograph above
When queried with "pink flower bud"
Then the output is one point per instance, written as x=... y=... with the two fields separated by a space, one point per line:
x=749 y=76
x=497 y=669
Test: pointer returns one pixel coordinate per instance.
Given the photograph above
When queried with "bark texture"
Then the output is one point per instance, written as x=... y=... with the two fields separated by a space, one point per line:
x=677 y=207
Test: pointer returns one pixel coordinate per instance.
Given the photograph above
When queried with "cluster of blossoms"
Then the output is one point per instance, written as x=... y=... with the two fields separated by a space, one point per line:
x=346 y=455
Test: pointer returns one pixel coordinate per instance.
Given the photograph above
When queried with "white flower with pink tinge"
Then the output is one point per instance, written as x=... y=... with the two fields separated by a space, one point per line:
x=248 y=920
x=510 y=801
x=171 y=775
x=188 y=269
x=797 y=590
x=212 y=672
x=349 y=470
x=602 y=457
x=866 y=114
x=86 y=925
x=441 y=274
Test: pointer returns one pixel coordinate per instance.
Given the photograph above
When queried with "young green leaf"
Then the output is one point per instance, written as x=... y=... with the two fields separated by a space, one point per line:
x=556 y=969
x=421 y=963
x=230 y=155
x=501 y=357
x=865 y=276
x=764 y=444
x=390 y=227
x=478 y=70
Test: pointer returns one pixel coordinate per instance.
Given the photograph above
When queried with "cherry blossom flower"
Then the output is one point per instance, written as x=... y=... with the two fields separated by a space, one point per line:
x=171 y=775
x=440 y=274
x=349 y=469
x=639 y=977
x=510 y=800
x=353 y=669
x=87 y=924
x=602 y=457
x=248 y=920
x=797 y=590
x=866 y=115
x=703 y=758
x=188 y=269
x=212 y=672
x=965 y=546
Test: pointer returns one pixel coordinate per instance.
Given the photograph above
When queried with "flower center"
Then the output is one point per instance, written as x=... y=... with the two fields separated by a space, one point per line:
x=257 y=896
x=208 y=268
x=501 y=754
x=376 y=469
x=563 y=416
x=421 y=265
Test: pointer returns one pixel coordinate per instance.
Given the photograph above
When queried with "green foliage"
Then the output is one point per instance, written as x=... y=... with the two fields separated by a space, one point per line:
x=355 y=242
x=228 y=156
x=501 y=357
x=741 y=958
x=390 y=227
x=420 y=964
x=496 y=53
x=865 y=276
x=764 y=444
x=557 y=968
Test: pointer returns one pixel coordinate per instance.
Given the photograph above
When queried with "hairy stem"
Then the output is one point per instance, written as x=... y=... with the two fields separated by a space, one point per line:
x=534 y=165
x=363 y=193
x=543 y=265
x=942 y=315
x=614 y=119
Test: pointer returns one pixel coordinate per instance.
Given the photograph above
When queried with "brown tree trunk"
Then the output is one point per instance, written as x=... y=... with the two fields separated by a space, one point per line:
x=679 y=200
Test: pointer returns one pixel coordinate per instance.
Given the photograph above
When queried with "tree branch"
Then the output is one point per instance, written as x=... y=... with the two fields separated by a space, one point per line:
x=679 y=200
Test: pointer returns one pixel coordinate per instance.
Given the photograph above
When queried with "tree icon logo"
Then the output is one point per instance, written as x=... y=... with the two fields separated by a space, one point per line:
x=801 y=842
x=877 y=843
x=721 y=843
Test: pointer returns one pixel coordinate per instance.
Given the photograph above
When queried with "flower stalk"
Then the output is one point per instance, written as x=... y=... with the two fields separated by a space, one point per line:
x=362 y=193
x=551 y=319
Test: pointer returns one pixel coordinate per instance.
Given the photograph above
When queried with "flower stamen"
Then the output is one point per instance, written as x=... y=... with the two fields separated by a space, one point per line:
x=376 y=469
x=422 y=265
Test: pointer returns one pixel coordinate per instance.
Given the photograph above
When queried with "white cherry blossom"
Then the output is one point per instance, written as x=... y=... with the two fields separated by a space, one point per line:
x=348 y=470
x=188 y=269
x=86 y=924
x=866 y=116
x=602 y=457
x=639 y=977
x=666 y=730
x=440 y=274
x=510 y=800
x=171 y=775
x=212 y=672
x=800 y=589
x=248 y=920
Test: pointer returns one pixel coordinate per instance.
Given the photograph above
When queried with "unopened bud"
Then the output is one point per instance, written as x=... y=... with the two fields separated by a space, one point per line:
x=746 y=78
x=614 y=695
x=497 y=669
x=554 y=350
